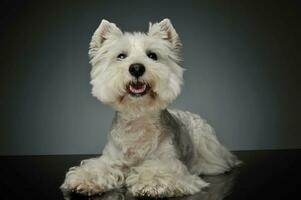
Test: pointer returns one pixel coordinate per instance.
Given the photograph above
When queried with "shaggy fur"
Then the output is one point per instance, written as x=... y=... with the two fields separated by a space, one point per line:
x=152 y=150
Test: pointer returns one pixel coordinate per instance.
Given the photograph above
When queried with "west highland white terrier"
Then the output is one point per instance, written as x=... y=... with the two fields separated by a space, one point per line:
x=151 y=150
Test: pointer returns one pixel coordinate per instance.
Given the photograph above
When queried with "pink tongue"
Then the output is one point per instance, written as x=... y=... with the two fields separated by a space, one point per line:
x=137 y=89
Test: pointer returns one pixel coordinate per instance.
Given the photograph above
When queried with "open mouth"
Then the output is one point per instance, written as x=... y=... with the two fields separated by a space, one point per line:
x=138 y=88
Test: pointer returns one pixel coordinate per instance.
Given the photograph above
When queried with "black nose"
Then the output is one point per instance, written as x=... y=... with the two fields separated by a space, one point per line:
x=137 y=70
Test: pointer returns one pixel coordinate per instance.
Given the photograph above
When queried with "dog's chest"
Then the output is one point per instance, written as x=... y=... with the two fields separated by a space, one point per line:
x=136 y=138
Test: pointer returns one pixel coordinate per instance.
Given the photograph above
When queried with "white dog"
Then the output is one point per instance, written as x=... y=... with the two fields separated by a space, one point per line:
x=152 y=150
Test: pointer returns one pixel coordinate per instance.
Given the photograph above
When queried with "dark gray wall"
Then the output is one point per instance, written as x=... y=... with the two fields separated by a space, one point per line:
x=242 y=60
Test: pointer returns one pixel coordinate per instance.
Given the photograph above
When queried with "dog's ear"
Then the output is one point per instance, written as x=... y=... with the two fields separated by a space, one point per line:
x=105 y=31
x=166 y=31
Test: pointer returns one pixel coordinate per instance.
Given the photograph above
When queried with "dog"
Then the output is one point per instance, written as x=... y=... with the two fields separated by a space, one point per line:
x=151 y=150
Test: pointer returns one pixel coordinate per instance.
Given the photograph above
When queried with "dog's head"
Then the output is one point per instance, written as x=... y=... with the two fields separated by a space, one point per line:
x=136 y=71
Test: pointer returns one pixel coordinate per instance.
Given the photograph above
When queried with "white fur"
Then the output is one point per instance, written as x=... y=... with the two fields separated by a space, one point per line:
x=151 y=150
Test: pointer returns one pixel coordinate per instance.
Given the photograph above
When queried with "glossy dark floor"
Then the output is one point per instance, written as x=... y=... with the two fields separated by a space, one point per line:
x=265 y=175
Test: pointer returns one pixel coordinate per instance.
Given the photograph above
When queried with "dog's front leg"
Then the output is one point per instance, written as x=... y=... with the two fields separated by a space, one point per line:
x=163 y=178
x=94 y=176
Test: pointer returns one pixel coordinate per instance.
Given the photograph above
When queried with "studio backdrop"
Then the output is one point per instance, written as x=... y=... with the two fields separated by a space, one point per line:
x=242 y=61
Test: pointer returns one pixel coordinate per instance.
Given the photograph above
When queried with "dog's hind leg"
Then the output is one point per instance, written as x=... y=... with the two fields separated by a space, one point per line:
x=210 y=156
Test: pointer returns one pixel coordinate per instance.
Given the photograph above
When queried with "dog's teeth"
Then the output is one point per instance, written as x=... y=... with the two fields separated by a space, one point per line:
x=137 y=91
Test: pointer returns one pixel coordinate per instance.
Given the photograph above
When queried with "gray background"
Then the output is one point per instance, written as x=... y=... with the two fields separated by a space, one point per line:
x=242 y=60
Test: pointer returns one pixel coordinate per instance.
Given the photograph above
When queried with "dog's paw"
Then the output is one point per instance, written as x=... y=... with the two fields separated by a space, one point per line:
x=158 y=188
x=85 y=188
x=150 y=189
x=81 y=183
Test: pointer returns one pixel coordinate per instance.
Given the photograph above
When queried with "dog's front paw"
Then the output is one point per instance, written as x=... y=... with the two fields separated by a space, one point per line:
x=150 y=189
x=159 y=187
x=81 y=182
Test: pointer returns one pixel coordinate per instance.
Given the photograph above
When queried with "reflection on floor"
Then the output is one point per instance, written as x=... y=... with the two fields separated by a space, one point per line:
x=269 y=174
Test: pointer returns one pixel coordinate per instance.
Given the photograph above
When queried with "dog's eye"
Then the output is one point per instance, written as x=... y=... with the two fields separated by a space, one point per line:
x=121 y=56
x=152 y=55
